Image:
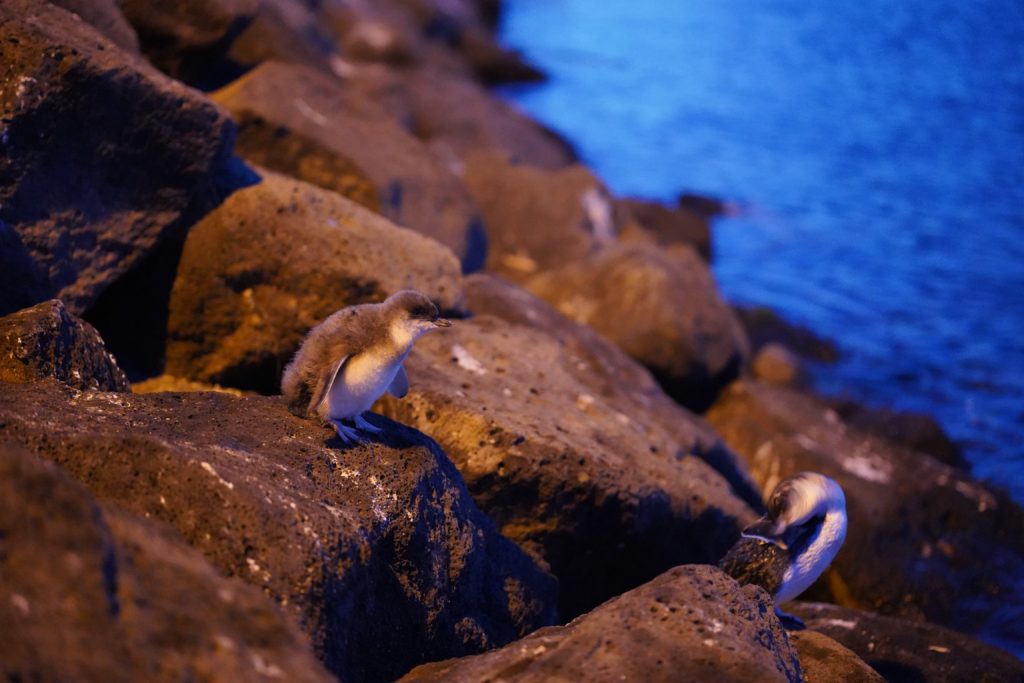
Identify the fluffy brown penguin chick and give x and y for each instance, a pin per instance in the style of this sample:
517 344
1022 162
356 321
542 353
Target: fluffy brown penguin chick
350 359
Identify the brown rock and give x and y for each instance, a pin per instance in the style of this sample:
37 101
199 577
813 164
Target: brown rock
903 651
285 31
492 63
764 326
106 17
93 594
670 225
422 99
185 38
913 430
298 121
692 623
275 259
823 660
661 307
536 219
376 551
917 528
208 43
776 364
611 374
47 341
370 40
102 155
563 460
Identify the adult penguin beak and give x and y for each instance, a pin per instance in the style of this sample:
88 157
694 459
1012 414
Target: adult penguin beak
768 530
442 322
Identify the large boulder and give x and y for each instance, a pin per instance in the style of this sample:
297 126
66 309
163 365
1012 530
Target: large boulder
908 652
48 341
669 225
916 431
611 374
601 479
659 305
101 158
304 123
106 17
208 43
823 660
377 551
183 38
90 593
536 219
764 326
925 541
422 98
275 259
692 623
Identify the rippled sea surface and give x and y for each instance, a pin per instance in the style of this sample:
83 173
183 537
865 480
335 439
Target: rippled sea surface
876 150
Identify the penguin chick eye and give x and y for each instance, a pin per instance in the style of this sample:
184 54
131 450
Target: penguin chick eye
423 312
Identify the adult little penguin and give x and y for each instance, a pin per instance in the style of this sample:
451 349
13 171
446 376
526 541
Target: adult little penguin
350 359
787 549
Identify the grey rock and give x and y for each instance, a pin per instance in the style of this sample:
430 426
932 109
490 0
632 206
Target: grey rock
102 156
274 260
692 623
48 341
376 552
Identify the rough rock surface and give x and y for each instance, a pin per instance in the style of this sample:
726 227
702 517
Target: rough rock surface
913 430
765 326
568 464
422 98
924 526
208 43
905 652
692 623
275 259
377 551
89 593
183 37
776 364
661 307
823 660
670 225
304 123
101 154
47 341
537 219
106 17
611 374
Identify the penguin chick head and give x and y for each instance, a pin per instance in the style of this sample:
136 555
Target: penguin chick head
412 314
797 503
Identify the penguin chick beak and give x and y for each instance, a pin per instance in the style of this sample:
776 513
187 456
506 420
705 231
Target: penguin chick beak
441 322
769 531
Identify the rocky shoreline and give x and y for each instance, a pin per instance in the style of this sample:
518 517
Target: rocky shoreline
185 191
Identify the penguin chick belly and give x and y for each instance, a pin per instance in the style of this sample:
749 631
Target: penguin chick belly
362 380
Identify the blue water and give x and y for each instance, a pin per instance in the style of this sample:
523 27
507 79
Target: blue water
876 150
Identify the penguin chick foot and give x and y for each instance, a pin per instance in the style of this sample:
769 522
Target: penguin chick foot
365 426
348 435
790 622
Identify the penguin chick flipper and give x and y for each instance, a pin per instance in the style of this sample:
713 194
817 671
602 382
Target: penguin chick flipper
362 424
399 386
323 385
